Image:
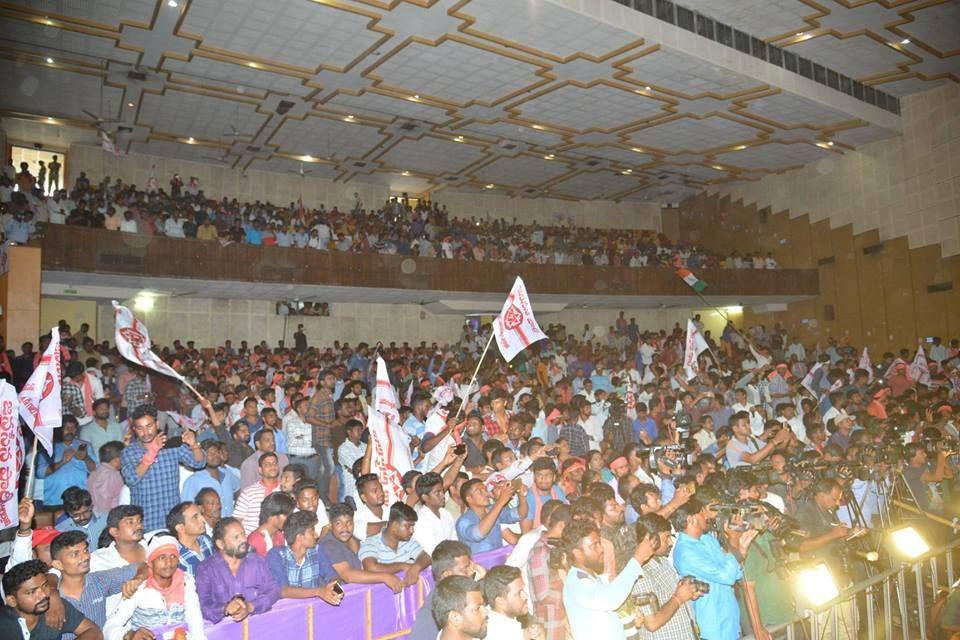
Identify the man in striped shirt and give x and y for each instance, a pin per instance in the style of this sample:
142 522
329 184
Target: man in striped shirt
247 509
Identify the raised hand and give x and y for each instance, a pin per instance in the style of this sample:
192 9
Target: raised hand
25 512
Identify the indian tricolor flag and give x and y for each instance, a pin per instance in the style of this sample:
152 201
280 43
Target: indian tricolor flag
695 283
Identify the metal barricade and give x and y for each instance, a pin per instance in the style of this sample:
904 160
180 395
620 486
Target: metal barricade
884 613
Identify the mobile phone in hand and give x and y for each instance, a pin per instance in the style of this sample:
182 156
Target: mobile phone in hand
337 589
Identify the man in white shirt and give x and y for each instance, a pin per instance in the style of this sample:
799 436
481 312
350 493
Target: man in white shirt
128 224
757 419
796 349
434 522
348 453
505 595
591 424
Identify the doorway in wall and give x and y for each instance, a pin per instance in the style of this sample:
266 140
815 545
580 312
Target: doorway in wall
34 157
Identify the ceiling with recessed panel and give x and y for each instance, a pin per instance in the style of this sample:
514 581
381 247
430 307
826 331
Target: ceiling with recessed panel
525 97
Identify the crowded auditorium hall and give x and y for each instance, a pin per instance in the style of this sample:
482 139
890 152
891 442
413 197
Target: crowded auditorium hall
466 319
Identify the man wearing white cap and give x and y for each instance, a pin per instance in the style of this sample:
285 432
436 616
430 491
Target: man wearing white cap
168 596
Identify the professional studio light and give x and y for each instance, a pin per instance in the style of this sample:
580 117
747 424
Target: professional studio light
908 543
815 584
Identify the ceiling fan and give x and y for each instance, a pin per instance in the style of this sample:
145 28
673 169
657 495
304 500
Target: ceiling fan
99 121
231 131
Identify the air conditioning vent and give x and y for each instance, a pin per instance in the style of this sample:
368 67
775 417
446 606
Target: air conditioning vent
283 106
452 178
939 287
408 126
822 262
592 163
253 149
360 164
509 146
140 76
874 248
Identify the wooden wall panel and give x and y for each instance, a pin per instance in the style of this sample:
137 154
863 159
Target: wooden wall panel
880 299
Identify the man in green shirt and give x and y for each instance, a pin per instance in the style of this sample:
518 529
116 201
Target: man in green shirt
768 595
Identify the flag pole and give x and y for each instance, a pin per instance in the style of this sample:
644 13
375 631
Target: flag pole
463 403
33 468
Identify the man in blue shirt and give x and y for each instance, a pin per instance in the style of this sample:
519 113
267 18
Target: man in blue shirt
79 515
479 526
215 476
70 465
153 472
698 554
591 601
300 567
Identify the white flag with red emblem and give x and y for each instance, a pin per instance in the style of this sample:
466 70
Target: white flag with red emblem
133 342
391 457
515 327
11 454
40 404
919 370
693 347
866 365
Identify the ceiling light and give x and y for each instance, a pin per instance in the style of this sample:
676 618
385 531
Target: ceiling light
905 41
253 65
798 33
49 60
458 139
647 88
49 119
143 302
718 167
627 172
637 149
830 143
549 157
130 104
740 147
307 158
350 118
190 140
405 173
816 584
172 4
489 186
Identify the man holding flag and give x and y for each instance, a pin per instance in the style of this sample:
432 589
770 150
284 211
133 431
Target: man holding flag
40 404
389 453
151 470
694 346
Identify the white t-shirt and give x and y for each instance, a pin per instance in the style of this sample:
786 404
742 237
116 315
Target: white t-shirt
431 529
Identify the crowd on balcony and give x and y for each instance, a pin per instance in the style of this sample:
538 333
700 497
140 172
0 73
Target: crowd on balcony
181 210
608 466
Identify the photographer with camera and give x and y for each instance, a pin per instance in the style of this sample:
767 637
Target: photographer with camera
591 601
661 596
744 448
919 475
699 554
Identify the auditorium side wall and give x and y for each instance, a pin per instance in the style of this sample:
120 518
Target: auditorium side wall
211 321
218 181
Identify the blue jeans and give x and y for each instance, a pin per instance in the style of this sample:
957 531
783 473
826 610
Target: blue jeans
310 463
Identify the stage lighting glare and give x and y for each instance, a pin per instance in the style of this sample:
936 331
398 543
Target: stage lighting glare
909 543
816 585
143 303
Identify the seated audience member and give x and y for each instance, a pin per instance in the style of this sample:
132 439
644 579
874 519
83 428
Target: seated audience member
28 600
70 465
265 442
544 488
479 526
370 516
449 558
274 511
307 495
394 550
215 476
105 482
210 508
459 610
88 592
234 583
187 525
124 530
290 476
168 596
504 593
247 509
80 516
434 522
300 567
342 548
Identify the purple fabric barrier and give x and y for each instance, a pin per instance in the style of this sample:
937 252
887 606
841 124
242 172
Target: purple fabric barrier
366 613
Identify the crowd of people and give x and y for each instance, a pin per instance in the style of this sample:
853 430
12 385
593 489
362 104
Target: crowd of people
426 229
638 502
